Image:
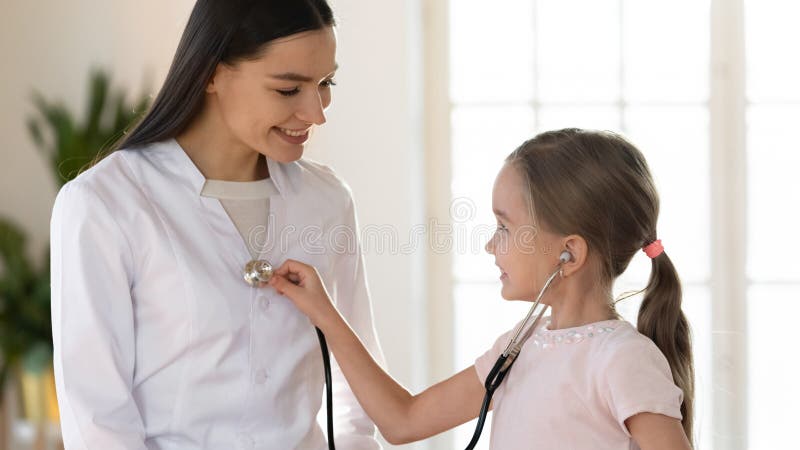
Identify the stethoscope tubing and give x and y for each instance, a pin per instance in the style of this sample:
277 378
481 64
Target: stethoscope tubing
326 362
259 271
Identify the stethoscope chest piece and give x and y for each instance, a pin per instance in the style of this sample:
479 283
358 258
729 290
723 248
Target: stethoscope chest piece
257 271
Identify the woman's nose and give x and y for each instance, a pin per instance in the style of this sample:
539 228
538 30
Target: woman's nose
313 110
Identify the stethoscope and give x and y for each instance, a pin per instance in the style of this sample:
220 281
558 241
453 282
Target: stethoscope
259 271
509 355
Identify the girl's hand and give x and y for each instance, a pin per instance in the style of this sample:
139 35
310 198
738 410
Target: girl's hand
302 284
401 417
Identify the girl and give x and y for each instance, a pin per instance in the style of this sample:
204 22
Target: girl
585 379
159 342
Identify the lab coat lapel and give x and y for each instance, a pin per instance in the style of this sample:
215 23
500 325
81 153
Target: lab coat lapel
207 255
234 249
222 226
273 246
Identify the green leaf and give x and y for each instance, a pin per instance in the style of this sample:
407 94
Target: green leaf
25 324
98 92
15 264
17 282
35 130
37 358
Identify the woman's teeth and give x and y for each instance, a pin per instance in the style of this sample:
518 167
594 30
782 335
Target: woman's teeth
294 133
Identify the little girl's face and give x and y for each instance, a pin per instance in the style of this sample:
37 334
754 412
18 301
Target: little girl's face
525 254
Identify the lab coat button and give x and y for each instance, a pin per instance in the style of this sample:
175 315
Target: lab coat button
263 303
260 376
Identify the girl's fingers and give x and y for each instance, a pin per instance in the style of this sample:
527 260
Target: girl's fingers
283 269
293 277
283 286
293 267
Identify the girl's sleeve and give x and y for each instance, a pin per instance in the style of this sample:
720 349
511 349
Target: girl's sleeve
93 326
485 362
637 379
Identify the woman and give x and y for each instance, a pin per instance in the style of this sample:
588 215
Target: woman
159 343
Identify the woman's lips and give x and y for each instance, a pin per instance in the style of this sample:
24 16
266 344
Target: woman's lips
295 137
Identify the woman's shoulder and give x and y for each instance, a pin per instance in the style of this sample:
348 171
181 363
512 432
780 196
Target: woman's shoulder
101 178
322 173
119 163
320 180
112 179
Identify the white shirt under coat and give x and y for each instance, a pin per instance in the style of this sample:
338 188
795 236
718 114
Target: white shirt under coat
159 342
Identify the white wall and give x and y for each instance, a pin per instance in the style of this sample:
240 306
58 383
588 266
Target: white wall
50 46
373 139
373 136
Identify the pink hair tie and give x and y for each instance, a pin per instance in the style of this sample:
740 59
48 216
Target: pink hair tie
653 249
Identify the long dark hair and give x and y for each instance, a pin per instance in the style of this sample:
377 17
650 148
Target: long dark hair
599 186
219 31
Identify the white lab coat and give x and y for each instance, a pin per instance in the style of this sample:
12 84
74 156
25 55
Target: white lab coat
160 344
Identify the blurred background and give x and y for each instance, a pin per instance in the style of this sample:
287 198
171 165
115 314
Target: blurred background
431 96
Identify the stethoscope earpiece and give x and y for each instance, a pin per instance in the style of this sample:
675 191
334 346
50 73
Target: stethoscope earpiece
257 271
565 257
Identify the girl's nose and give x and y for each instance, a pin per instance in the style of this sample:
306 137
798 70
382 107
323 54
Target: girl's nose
489 246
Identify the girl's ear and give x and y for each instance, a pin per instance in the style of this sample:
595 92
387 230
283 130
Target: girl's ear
579 250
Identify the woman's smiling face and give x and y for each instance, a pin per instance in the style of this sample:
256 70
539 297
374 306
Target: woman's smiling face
271 103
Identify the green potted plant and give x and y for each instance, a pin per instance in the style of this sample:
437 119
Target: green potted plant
26 341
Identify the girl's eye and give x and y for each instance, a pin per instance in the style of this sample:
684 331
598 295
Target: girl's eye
501 227
328 83
288 93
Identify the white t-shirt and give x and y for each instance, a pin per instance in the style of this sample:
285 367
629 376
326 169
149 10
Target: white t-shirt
247 204
573 388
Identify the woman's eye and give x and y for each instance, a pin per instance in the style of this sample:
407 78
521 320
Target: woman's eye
501 227
328 83
289 92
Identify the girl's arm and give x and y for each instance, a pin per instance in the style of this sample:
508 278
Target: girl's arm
400 416
657 432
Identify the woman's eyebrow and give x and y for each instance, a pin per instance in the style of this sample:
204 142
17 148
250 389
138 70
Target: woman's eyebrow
292 76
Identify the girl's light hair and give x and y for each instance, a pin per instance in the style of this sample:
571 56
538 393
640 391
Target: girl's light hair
597 185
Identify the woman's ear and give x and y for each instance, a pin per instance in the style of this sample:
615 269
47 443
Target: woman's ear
579 249
211 86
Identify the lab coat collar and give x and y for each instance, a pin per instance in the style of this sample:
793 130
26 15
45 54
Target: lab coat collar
177 156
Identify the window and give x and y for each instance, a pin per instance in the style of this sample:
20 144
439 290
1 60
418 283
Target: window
772 268
643 68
